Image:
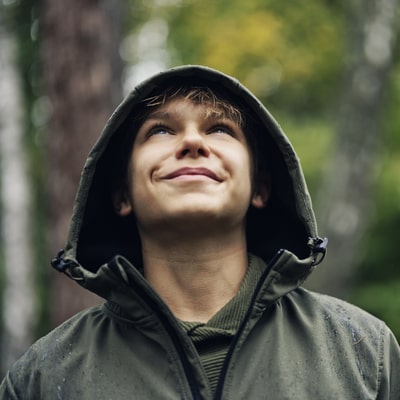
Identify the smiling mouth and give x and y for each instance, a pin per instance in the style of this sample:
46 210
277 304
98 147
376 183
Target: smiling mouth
187 172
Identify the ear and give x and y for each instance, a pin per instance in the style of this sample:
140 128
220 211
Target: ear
261 194
122 204
260 197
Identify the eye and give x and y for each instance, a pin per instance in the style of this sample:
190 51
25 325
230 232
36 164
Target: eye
158 129
222 129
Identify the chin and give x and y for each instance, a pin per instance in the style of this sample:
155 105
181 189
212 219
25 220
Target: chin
209 216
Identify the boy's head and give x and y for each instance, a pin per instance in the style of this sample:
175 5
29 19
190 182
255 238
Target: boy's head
186 154
217 103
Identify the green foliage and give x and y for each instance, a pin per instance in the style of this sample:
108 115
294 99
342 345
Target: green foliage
378 278
379 261
383 301
290 56
312 138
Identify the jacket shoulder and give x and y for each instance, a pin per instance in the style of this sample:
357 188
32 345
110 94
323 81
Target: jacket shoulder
337 307
337 313
56 353
362 335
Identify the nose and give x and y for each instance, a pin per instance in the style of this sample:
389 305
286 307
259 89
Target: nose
193 144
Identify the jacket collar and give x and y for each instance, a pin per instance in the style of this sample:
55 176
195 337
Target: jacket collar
132 297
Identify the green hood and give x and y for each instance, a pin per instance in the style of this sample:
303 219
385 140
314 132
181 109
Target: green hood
97 234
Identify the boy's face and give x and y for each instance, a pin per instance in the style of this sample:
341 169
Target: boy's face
189 165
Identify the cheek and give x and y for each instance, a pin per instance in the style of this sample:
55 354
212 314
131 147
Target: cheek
140 177
138 165
242 169
134 179
247 164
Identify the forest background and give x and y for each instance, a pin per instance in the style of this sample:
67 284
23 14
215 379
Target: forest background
328 70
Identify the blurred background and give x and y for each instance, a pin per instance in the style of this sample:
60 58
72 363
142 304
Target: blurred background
328 70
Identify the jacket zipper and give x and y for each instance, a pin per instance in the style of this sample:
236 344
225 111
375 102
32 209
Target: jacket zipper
235 339
187 366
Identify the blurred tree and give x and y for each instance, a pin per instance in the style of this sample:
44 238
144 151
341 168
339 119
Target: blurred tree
345 193
18 311
82 70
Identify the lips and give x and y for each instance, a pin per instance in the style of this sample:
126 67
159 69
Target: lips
193 171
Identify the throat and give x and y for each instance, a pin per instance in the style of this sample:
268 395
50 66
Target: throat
195 289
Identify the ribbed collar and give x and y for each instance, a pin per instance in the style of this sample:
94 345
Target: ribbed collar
227 320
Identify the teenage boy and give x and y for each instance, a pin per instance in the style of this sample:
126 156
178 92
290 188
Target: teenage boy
194 222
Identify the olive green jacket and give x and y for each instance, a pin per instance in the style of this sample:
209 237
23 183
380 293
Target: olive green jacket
292 343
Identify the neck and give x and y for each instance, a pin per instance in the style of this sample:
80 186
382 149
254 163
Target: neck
195 278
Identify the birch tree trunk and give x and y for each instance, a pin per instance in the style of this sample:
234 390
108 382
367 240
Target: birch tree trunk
345 195
19 306
82 70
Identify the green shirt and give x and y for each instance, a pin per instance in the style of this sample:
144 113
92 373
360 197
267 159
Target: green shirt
212 339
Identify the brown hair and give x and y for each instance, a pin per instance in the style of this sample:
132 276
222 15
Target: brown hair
216 105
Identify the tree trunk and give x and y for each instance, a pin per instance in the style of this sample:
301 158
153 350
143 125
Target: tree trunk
345 195
82 71
19 307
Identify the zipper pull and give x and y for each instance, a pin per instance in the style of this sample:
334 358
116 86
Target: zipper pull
318 248
60 264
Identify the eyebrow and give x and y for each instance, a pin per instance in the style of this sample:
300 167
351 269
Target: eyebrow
159 115
209 114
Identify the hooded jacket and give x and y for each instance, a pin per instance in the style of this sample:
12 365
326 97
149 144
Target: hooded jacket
291 344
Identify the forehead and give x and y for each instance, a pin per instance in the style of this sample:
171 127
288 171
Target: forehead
177 106
215 102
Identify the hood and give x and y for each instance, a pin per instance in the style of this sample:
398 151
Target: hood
97 234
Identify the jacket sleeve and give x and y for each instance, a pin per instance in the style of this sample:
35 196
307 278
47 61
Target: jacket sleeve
6 390
389 379
22 381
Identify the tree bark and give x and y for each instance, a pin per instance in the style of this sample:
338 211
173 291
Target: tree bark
344 199
82 71
19 306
